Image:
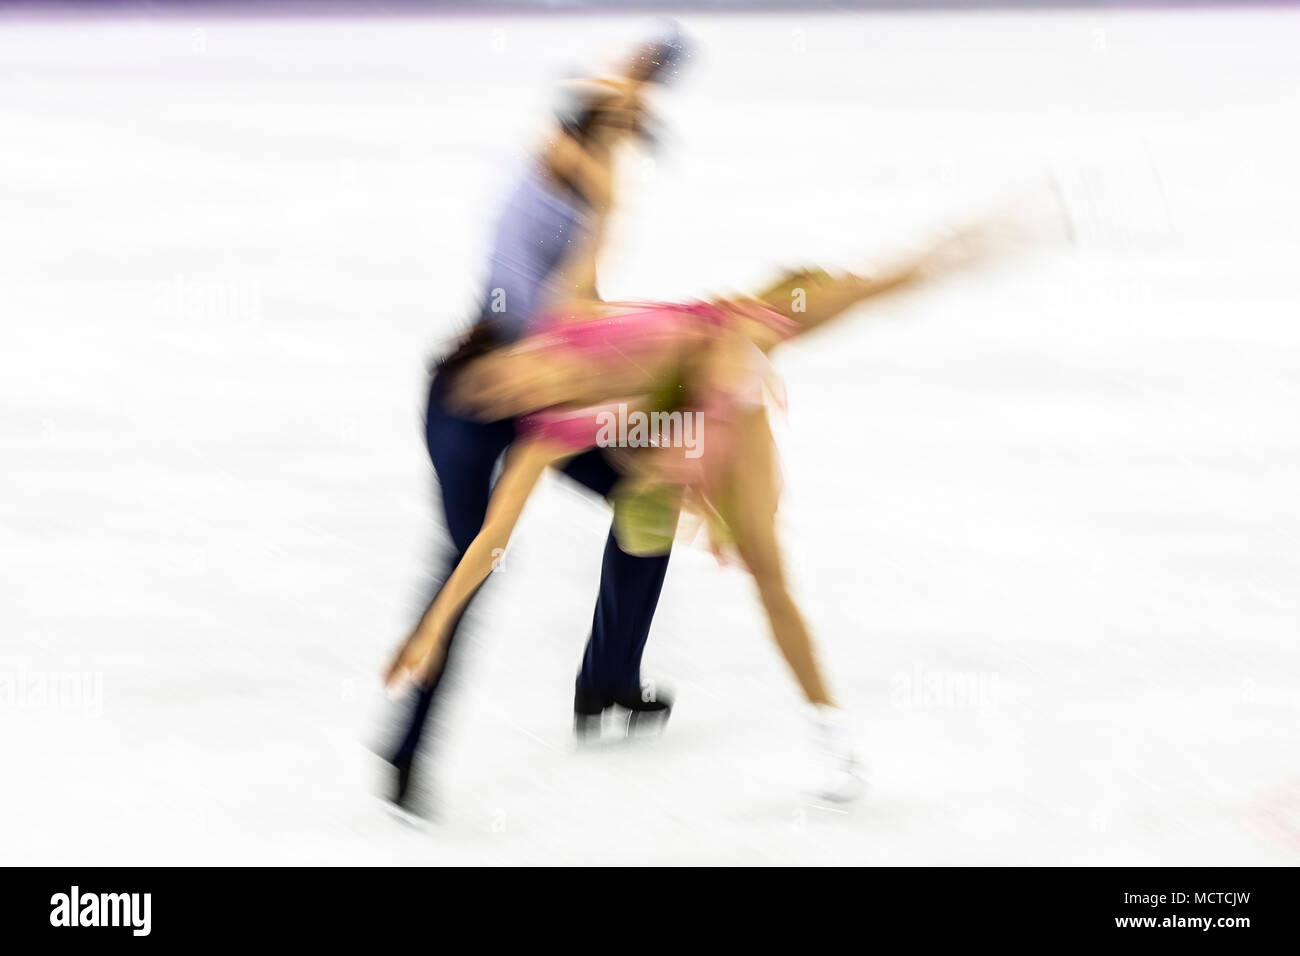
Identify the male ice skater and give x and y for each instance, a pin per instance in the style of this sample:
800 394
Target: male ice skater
547 240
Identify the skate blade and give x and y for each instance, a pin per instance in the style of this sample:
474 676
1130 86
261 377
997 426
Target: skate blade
407 817
618 725
642 724
842 790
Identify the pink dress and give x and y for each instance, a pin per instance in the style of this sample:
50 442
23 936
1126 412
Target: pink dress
647 329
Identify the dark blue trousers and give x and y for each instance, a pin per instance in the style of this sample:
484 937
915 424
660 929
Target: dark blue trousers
464 455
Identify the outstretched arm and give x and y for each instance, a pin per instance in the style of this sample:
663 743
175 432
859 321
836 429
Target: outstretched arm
420 655
812 297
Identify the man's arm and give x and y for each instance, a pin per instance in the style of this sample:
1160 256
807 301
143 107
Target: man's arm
590 174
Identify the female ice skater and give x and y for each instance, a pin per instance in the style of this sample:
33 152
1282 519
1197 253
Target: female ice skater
546 244
587 359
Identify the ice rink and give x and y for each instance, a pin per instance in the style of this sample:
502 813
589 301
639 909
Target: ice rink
1043 517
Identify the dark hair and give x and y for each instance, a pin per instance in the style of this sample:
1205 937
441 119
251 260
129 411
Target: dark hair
660 59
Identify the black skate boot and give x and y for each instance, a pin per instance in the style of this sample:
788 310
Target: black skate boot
647 712
406 794
399 793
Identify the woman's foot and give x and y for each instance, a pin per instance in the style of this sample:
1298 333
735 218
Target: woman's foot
839 775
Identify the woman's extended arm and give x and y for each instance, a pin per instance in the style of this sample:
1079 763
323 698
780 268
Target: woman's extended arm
422 651
812 297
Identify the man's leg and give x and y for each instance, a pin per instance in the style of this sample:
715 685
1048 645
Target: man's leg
625 607
464 454
629 593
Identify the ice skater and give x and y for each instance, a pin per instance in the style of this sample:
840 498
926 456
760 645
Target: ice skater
587 363
546 244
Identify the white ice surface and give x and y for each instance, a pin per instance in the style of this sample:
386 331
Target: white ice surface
227 246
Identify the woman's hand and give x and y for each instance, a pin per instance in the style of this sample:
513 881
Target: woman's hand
416 660
422 655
